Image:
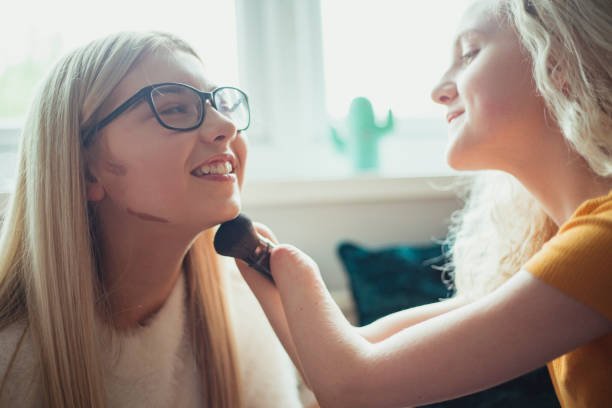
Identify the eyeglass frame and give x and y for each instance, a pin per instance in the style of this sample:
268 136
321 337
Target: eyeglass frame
146 93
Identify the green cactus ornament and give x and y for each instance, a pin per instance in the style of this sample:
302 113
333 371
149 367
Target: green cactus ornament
363 134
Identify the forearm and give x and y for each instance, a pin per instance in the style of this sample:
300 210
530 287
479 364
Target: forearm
389 325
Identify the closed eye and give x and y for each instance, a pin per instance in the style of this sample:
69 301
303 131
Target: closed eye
469 56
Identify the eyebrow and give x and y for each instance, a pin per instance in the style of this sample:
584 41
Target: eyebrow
468 33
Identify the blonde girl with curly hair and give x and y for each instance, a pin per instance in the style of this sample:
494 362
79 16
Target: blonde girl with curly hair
529 107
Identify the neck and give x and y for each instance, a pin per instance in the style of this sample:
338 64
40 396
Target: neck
562 182
141 263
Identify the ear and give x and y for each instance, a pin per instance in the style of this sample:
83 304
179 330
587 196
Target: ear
95 190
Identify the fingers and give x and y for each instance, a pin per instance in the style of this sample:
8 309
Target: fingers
265 232
299 284
292 265
304 295
254 278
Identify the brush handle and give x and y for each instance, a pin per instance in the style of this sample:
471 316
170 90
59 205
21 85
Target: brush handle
260 258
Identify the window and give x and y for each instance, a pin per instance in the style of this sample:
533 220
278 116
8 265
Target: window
36 33
300 61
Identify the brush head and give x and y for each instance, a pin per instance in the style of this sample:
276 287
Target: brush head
237 238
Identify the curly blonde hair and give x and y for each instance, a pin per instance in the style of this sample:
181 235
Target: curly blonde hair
502 225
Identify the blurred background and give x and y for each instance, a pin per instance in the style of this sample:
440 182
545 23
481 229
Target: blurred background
322 168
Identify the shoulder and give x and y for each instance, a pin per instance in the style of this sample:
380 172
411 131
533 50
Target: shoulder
269 377
591 221
586 235
17 365
583 239
583 242
578 260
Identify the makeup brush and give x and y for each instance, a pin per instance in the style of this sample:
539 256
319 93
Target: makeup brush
237 238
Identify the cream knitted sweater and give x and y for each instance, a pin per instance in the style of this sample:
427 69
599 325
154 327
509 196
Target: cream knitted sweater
153 366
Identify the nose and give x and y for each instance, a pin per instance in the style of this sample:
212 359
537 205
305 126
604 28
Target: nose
445 92
216 128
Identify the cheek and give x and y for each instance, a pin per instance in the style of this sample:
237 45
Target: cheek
499 101
240 149
482 94
149 175
157 177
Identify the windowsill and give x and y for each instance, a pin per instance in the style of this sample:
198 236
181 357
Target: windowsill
356 189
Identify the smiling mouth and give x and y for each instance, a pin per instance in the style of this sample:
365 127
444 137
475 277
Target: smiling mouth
220 168
450 118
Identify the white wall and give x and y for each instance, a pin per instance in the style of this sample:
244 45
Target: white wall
316 216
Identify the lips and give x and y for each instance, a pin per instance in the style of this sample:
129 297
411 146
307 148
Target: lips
452 115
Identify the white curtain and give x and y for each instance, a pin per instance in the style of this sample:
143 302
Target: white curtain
281 67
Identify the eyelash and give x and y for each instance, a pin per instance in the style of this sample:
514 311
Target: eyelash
469 56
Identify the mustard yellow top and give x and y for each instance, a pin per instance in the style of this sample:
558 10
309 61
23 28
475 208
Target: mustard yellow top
578 261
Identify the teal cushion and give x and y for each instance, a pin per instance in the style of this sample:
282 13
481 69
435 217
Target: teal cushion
394 278
386 280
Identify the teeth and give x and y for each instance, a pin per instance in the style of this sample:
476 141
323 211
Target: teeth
218 168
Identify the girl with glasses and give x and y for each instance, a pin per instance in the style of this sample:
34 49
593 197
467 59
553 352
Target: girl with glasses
529 105
111 294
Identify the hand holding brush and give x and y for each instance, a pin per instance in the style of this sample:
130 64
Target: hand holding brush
237 238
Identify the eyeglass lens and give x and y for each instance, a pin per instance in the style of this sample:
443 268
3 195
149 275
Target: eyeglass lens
181 107
232 104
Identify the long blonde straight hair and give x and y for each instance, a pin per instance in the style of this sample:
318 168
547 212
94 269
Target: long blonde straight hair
502 225
48 273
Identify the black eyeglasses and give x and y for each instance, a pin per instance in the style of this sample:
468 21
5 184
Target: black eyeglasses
182 107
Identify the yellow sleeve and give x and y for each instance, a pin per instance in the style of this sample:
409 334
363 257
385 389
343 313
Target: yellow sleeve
578 261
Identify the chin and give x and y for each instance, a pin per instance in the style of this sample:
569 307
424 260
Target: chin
461 158
201 222
466 165
230 211
232 214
